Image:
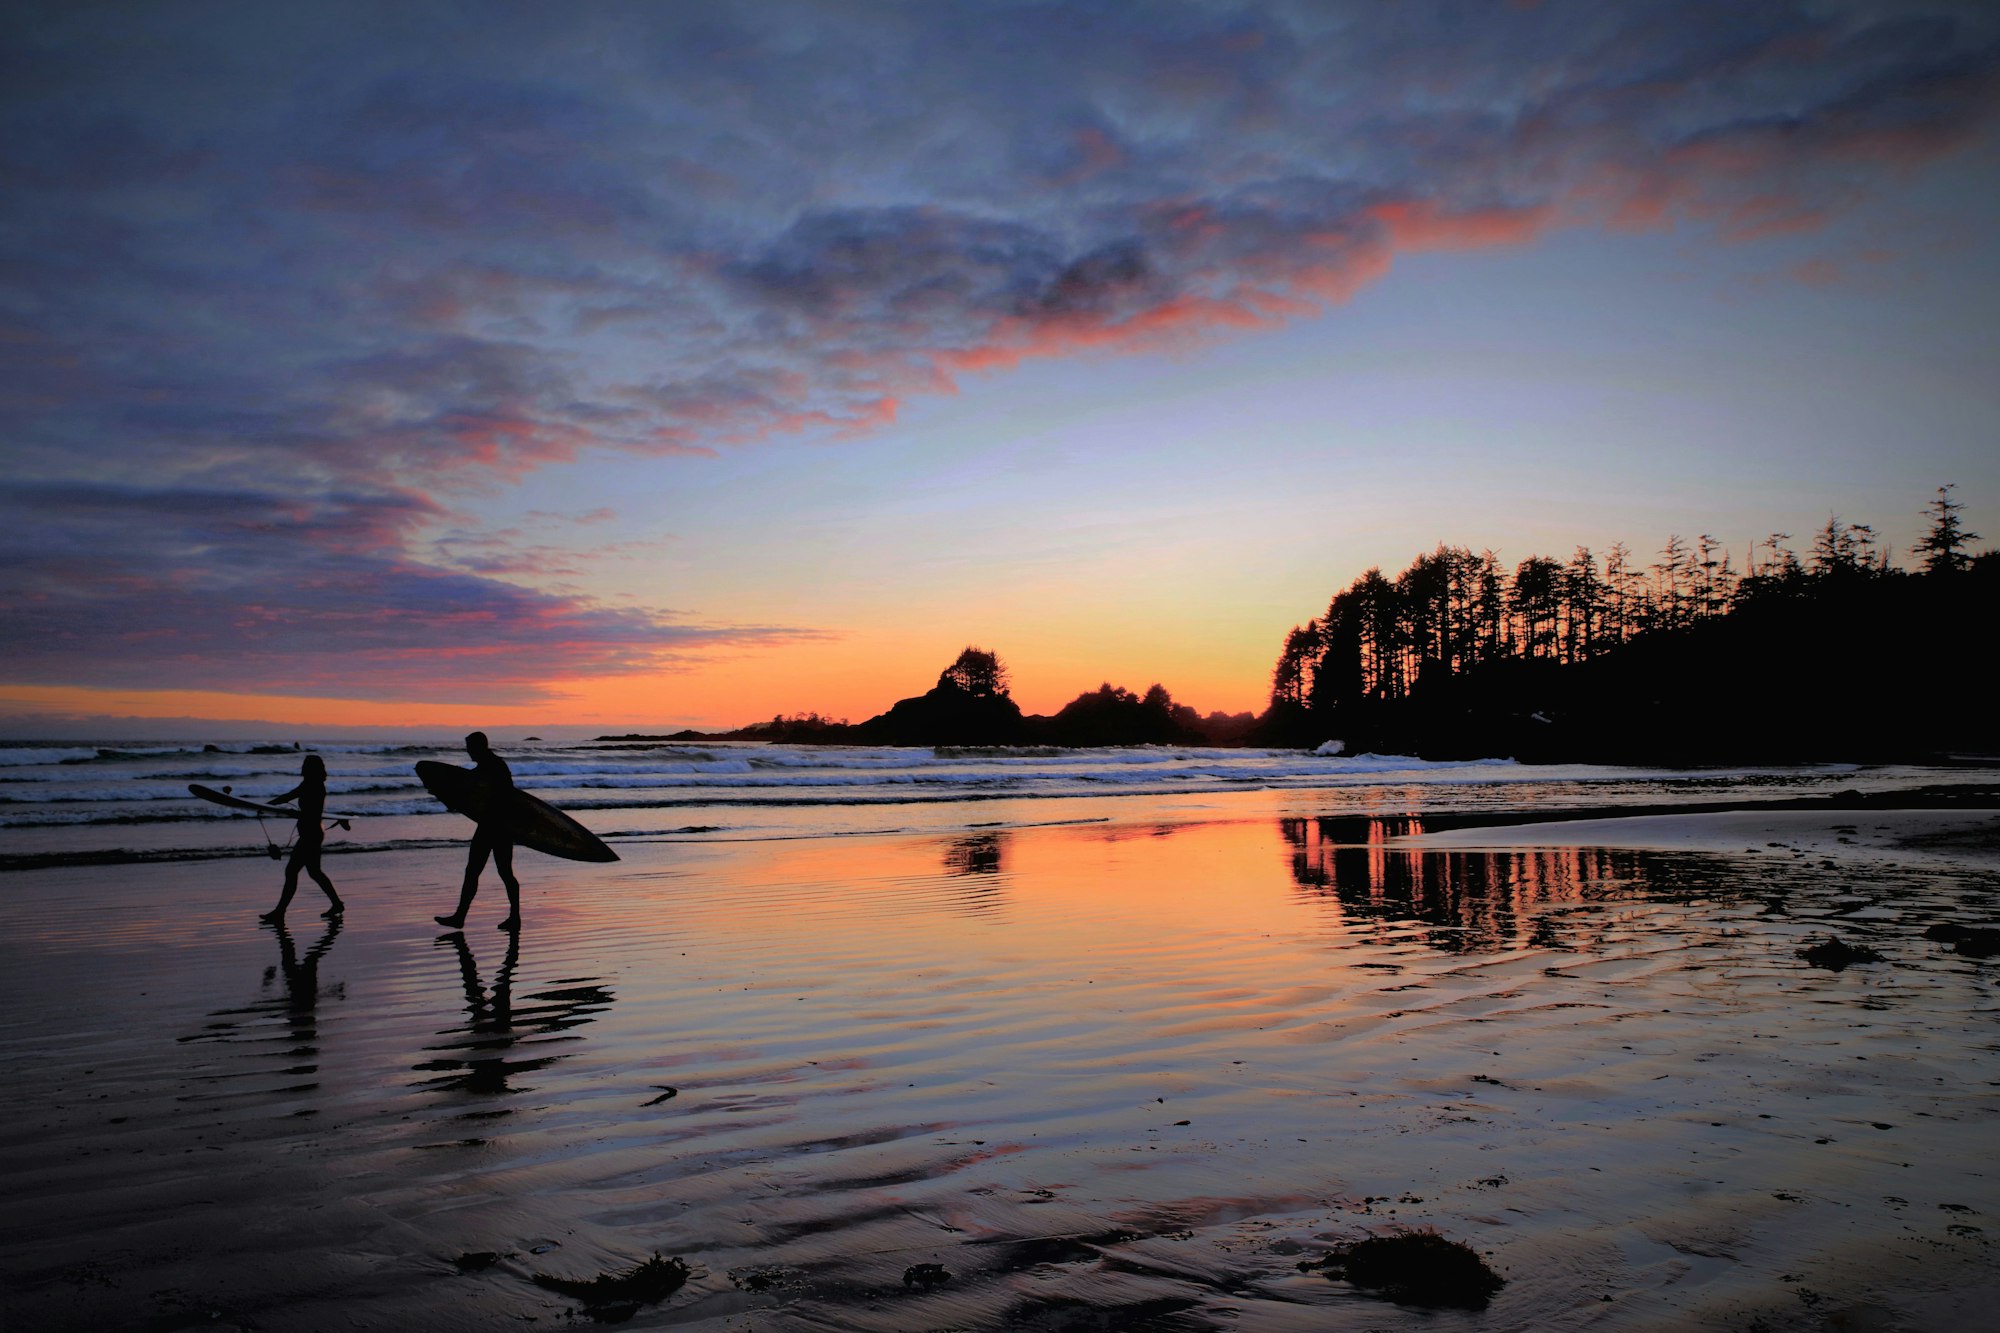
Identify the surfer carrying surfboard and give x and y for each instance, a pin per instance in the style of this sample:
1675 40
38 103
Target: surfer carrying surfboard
493 834
311 796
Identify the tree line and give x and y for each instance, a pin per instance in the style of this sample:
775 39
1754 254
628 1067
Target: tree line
1458 633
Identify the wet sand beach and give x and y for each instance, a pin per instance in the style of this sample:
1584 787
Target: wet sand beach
1115 1075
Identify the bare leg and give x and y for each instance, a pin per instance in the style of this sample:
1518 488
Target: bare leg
475 862
291 887
335 906
503 861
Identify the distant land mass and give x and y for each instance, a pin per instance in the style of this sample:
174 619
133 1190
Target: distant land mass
970 706
1686 661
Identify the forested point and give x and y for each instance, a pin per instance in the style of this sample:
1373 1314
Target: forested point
1840 654
970 706
1837 655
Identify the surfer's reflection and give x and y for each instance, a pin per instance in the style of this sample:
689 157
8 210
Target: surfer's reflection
295 1006
486 1058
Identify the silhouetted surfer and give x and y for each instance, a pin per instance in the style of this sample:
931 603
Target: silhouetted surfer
311 796
492 837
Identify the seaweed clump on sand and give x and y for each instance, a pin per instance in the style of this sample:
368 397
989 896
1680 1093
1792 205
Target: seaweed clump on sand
478 1261
618 1295
1414 1268
924 1277
1972 941
1837 955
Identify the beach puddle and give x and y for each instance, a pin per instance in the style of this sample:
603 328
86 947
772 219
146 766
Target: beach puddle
1102 1076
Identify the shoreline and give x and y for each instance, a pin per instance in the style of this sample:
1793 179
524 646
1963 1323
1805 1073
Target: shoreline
1915 835
1827 829
409 833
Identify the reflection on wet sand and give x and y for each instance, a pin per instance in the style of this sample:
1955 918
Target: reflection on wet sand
295 1006
977 855
1473 900
495 1024
977 867
1170 1066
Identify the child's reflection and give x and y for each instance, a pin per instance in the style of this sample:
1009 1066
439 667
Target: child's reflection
296 1006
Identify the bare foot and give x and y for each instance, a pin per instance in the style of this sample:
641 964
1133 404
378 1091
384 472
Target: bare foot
511 923
455 922
271 916
334 910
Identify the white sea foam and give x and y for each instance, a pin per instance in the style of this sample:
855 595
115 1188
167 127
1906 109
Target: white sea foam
24 755
148 785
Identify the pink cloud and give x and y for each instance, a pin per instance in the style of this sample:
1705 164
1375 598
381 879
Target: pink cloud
1419 224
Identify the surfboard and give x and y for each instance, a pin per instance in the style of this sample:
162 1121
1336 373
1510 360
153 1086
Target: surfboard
532 822
259 808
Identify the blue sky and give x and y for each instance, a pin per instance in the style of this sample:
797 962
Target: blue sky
639 364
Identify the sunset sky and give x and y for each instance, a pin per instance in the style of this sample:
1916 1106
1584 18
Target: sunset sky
637 366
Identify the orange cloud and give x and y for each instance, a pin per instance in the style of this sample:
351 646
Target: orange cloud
1420 224
1018 338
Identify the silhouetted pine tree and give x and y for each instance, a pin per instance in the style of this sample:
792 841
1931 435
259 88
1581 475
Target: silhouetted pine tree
1940 547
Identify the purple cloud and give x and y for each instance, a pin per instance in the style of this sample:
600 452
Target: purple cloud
386 259
309 596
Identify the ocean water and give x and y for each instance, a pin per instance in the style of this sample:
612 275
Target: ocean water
105 802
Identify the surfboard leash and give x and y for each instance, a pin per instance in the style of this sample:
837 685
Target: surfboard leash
277 853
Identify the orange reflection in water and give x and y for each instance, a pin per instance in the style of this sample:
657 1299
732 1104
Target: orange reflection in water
1186 896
